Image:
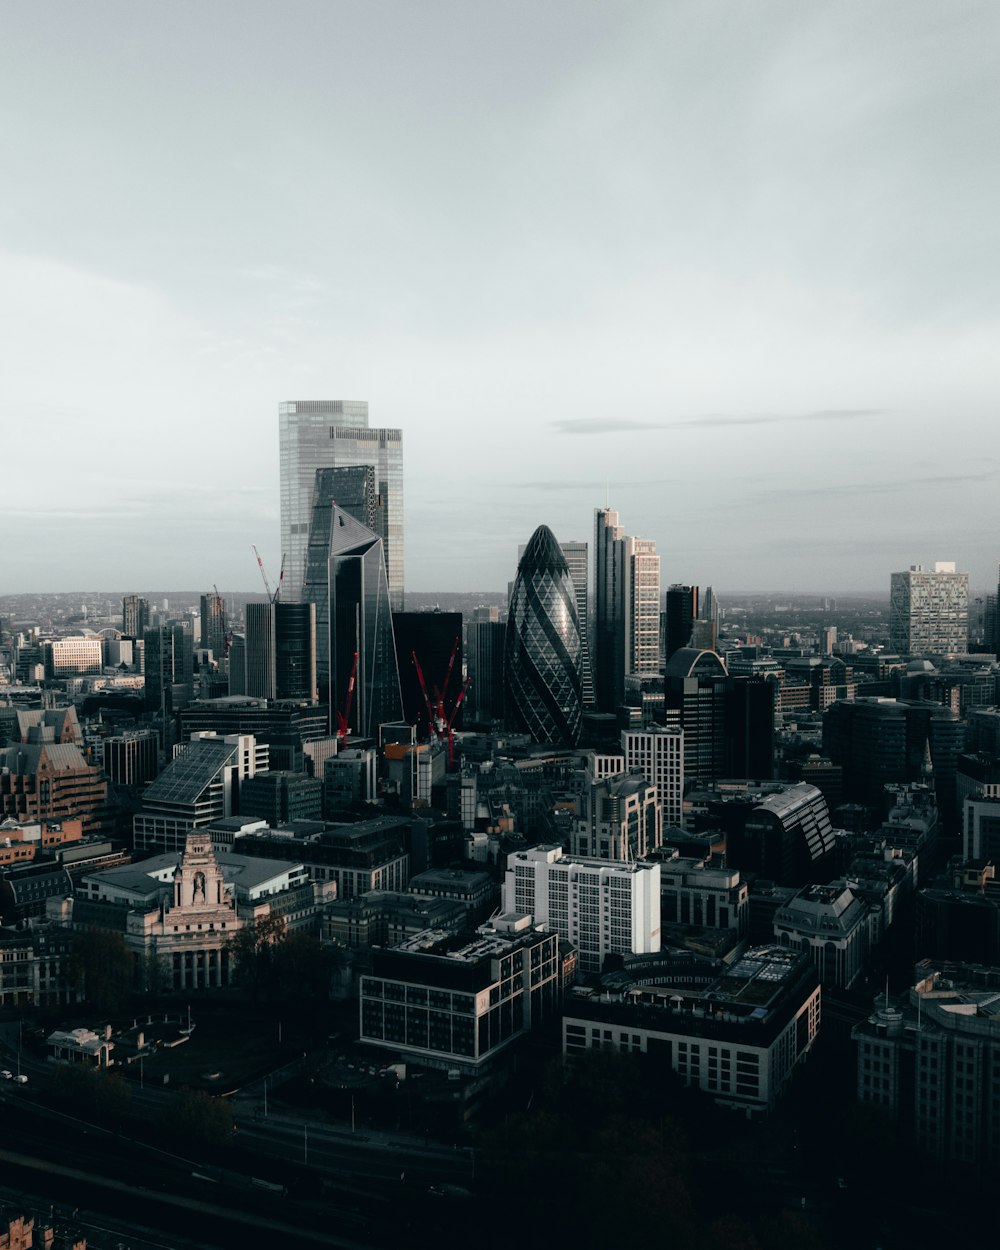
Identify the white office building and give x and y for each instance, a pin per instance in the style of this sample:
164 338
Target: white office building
603 908
658 753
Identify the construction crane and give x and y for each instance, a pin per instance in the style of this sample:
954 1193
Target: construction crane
344 718
439 720
272 595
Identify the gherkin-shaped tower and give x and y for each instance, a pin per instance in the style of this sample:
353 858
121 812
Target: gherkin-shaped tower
543 687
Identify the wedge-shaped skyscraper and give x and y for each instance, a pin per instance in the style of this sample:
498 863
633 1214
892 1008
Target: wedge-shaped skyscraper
346 579
543 688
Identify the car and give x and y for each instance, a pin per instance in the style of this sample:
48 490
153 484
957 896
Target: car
6 1075
21 1080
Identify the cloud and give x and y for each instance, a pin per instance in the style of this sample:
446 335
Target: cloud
573 484
884 486
708 421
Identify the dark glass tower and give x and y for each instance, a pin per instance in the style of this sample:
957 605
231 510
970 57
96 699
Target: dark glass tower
348 583
543 688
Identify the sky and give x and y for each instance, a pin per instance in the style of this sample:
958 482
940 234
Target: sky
730 267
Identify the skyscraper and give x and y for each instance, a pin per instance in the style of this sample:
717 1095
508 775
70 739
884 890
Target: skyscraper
135 616
542 652
680 611
346 574
642 607
577 560
929 611
320 434
280 653
608 641
213 624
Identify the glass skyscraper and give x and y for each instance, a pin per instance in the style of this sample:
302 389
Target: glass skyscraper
543 654
347 581
320 434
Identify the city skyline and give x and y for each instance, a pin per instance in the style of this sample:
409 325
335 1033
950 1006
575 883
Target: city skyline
726 268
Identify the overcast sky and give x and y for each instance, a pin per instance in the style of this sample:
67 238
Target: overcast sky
731 265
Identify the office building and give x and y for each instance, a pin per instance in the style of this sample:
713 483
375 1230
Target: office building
542 657
642 607
702 894
47 781
455 1002
135 616
280 652
484 664
577 561
213 625
658 755
198 786
618 818
679 613
608 640
603 908
931 1058
929 611
169 665
131 759
695 685
355 642
833 926
323 434
735 1032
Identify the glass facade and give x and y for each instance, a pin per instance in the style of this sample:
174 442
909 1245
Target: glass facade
543 654
347 581
321 434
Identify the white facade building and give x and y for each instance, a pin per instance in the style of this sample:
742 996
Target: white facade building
603 908
658 753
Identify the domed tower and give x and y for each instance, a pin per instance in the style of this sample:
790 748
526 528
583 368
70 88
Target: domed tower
543 685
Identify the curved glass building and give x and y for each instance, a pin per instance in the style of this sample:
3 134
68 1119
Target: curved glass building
543 655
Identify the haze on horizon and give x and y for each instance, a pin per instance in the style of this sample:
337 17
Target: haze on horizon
731 267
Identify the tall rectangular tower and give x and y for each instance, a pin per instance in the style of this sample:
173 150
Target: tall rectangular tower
642 610
608 637
929 610
321 434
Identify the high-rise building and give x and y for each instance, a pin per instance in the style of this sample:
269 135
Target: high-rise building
694 691
280 648
213 625
135 616
642 607
602 907
169 663
484 664
608 640
542 654
577 560
658 754
929 610
348 583
680 612
321 434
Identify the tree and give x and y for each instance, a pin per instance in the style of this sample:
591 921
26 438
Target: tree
106 968
253 950
193 1118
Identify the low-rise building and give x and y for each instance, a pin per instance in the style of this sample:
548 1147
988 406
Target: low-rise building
737 1032
456 1001
833 926
476 891
932 1059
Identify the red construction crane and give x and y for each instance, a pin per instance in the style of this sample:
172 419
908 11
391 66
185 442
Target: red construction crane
344 718
439 719
272 595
